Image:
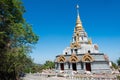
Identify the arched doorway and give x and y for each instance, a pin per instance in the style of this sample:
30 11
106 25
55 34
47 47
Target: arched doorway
88 59
62 66
74 67
88 66
73 60
61 60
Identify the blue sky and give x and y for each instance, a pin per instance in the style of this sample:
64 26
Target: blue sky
54 22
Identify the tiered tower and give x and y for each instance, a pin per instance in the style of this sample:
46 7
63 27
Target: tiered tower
82 55
80 42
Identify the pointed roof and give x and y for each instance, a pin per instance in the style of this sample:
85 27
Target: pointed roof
78 21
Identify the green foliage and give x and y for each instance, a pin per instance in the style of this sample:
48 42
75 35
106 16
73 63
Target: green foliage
48 65
114 65
16 40
118 77
118 62
34 68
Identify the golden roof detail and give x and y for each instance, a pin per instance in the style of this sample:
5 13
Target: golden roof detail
78 21
87 58
89 41
74 58
61 59
75 45
79 27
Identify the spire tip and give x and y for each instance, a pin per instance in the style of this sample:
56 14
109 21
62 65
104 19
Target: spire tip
77 6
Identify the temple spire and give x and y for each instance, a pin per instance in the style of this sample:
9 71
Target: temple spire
77 9
78 16
78 21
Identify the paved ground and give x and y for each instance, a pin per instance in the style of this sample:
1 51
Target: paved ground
38 76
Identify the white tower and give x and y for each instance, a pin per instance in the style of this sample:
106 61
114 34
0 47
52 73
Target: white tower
80 44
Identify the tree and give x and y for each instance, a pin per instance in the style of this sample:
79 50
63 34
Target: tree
114 65
16 39
49 65
118 61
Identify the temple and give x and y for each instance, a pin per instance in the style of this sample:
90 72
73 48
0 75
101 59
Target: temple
82 55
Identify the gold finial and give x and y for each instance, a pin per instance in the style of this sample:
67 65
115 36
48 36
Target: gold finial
78 21
78 17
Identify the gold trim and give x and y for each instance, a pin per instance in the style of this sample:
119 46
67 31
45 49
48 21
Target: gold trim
89 42
77 33
73 58
87 58
61 59
79 28
75 45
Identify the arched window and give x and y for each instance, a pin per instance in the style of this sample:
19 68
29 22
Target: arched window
66 53
75 38
71 50
76 51
89 51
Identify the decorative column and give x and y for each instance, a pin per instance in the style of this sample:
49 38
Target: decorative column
70 66
59 66
65 66
78 66
84 66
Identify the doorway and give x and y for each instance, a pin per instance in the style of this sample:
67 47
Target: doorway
88 67
74 66
62 66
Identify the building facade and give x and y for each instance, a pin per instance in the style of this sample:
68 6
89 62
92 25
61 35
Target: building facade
82 55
